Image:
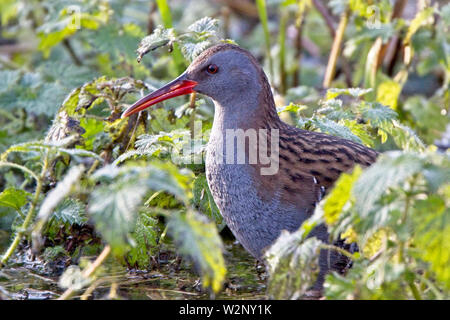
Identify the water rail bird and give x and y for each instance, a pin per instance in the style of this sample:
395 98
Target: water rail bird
258 204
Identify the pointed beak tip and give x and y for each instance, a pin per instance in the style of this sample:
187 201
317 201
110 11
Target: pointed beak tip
175 88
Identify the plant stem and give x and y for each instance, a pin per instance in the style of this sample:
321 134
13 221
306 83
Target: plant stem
432 287
89 271
401 245
282 44
326 15
30 214
90 289
414 290
18 166
372 64
335 49
335 248
150 23
262 12
298 42
92 168
73 55
397 12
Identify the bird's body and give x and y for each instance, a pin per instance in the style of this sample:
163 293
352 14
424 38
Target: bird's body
258 206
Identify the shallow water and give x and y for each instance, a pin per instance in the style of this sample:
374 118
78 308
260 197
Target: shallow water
29 278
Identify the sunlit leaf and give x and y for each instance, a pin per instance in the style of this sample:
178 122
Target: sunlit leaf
432 221
388 93
335 201
14 198
198 239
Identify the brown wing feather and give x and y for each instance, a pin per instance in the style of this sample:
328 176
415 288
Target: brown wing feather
309 165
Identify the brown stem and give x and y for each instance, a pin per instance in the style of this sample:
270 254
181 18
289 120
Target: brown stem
397 12
336 49
298 45
282 54
89 271
225 11
329 20
151 23
71 52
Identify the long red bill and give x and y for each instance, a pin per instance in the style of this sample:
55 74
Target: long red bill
173 89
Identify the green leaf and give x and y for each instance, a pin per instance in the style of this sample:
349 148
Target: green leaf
422 17
327 126
192 50
427 118
334 202
377 113
68 23
388 93
114 209
204 201
295 108
145 236
159 38
333 93
432 222
391 169
198 239
56 146
53 199
294 265
205 25
403 136
70 211
8 9
114 204
13 198
93 132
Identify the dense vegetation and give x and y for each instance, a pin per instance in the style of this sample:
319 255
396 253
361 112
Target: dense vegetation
77 180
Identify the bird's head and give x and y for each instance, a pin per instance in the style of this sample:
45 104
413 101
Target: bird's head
225 72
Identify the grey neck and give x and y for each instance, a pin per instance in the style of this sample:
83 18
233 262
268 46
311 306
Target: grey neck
235 116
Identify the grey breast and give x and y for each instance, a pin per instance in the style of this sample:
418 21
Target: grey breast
254 222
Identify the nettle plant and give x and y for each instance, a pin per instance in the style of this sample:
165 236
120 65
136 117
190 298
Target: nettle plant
116 174
397 211
95 169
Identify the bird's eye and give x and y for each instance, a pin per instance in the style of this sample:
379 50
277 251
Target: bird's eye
212 68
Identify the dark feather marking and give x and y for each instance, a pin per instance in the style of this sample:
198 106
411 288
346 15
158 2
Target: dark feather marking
306 160
315 173
347 153
335 170
282 156
322 152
